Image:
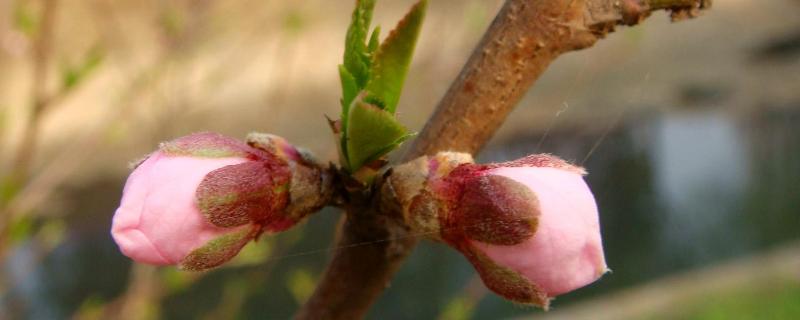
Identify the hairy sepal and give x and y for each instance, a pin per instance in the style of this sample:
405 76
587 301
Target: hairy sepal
497 210
275 146
542 160
504 281
250 192
218 251
206 145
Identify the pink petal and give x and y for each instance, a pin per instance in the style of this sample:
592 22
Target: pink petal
565 253
158 221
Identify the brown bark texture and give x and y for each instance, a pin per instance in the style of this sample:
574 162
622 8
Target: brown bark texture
522 41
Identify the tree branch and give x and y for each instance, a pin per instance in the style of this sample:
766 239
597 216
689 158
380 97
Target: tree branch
372 243
525 37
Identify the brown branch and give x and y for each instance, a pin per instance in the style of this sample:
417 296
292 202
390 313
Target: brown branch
371 245
525 37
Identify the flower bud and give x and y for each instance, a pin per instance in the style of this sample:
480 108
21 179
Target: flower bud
199 199
530 226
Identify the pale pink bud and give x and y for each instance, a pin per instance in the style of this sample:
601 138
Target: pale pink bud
565 251
199 199
530 227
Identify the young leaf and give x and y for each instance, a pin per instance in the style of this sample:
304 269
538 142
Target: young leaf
372 133
390 63
374 40
356 59
389 147
349 88
349 91
354 72
372 76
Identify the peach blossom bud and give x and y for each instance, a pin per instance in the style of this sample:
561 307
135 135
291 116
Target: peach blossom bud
199 199
530 226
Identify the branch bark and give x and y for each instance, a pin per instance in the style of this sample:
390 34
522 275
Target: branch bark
522 41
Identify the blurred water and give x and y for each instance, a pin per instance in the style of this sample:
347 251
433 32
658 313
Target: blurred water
680 189
700 174
676 190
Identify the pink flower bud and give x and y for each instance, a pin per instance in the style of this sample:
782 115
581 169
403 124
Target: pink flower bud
199 199
530 227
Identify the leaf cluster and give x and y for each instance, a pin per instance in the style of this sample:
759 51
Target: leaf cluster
372 76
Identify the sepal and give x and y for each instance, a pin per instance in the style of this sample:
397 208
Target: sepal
416 186
497 210
542 160
244 193
206 145
218 251
274 145
505 282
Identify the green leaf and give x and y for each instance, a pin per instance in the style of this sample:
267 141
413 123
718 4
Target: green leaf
372 133
390 63
390 147
374 40
356 58
372 76
354 72
349 89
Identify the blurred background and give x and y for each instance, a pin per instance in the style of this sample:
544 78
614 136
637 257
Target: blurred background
690 132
